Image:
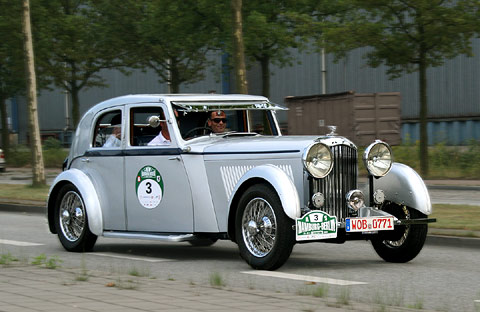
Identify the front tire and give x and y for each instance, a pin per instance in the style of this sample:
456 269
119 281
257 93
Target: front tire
71 221
264 232
406 241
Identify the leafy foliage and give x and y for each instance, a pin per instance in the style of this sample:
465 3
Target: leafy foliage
170 37
406 36
401 33
73 46
270 33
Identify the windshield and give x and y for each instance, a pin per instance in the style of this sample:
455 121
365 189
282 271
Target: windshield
222 122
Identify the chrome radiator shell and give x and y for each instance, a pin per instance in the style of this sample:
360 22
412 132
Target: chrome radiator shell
339 182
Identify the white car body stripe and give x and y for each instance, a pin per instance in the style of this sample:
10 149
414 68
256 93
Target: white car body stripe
128 258
17 243
305 278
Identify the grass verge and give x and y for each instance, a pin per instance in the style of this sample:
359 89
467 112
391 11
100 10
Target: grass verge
24 192
456 220
456 217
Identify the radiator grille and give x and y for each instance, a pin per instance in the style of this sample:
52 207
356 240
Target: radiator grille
339 182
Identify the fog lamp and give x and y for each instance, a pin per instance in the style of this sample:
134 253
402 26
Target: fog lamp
355 200
379 197
318 200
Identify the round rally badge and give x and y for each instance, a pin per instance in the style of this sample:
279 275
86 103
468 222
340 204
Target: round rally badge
149 187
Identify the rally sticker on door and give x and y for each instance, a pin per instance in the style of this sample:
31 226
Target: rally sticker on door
149 187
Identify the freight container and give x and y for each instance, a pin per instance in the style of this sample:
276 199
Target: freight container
361 117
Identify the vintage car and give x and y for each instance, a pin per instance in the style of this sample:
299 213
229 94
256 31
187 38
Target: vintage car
158 167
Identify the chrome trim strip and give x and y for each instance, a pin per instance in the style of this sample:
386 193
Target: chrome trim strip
151 236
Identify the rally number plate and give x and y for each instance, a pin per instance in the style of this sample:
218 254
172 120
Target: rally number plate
368 224
316 225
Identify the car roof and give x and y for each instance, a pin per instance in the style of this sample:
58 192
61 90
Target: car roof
195 102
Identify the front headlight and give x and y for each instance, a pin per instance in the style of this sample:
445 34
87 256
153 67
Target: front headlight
378 158
317 159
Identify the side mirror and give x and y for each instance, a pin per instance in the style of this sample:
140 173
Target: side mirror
154 121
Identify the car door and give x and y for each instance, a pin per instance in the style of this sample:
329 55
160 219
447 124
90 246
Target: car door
158 195
104 163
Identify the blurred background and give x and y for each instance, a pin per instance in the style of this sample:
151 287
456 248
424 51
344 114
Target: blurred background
406 72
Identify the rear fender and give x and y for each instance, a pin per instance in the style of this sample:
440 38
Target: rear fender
89 195
403 185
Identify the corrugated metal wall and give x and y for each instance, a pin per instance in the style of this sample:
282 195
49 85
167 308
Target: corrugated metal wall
453 90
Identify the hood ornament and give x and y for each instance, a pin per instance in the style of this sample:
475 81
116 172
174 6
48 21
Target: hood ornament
332 130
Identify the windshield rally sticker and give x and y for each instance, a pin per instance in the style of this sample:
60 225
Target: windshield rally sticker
316 225
149 187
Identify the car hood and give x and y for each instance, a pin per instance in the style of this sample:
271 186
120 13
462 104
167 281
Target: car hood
258 144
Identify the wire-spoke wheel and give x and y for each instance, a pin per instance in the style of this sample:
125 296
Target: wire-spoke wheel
406 241
71 220
259 227
72 216
264 233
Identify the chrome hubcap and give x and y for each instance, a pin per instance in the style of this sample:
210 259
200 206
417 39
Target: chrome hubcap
402 239
72 216
259 227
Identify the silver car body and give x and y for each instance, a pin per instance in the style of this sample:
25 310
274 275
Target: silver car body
200 180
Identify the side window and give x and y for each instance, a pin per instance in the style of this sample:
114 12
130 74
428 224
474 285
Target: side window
261 122
148 127
108 130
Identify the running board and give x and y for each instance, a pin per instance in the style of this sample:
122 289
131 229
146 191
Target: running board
152 236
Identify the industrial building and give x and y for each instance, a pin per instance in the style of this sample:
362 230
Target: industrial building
453 93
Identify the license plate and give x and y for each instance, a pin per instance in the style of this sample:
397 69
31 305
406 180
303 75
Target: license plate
368 224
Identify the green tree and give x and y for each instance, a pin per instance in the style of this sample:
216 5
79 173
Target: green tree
11 62
271 29
73 46
170 37
407 36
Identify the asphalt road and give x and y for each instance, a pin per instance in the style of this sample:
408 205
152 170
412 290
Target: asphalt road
441 278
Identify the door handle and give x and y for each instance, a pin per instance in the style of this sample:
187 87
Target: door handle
174 158
85 159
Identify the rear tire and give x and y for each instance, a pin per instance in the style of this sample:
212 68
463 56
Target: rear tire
71 220
264 232
406 242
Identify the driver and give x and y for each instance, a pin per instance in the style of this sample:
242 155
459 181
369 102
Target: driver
217 121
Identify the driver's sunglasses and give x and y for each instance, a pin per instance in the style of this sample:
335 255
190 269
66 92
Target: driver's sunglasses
217 120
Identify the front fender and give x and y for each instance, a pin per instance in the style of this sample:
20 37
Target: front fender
89 195
279 180
403 185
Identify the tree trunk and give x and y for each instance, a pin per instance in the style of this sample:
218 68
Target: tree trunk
265 64
238 49
38 169
174 78
423 116
5 133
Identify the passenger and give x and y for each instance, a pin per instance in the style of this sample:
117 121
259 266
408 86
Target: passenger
114 140
217 121
163 137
